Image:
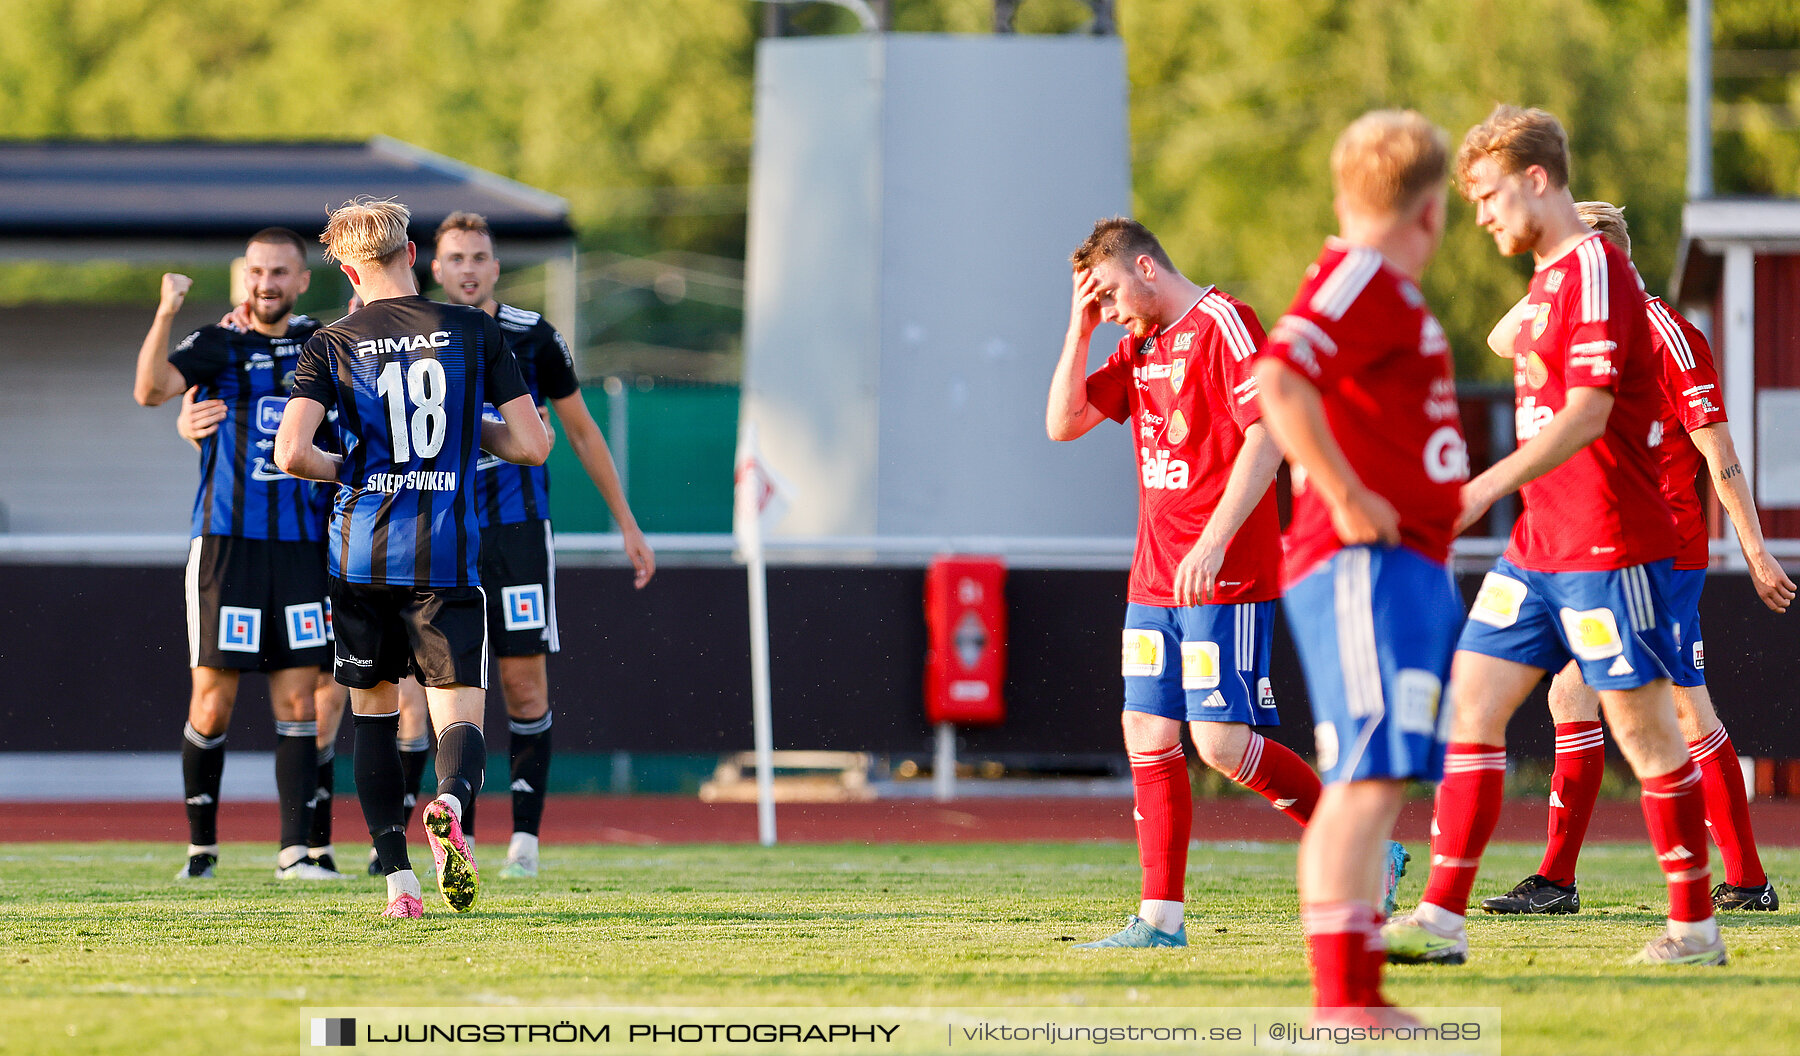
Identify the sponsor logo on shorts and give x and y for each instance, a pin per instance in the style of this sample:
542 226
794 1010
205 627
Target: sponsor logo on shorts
306 625
353 661
1593 634
1265 694
240 630
330 634
268 413
1498 603
1418 693
1143 655
1325 743
524 606
1700 653
1199 665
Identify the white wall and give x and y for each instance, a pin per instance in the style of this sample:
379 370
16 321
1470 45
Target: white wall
914 200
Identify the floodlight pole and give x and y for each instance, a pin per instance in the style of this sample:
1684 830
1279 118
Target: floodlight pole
1699 100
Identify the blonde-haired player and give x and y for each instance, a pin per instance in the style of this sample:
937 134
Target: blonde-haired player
1695 436
408 377
1357 388
1587 574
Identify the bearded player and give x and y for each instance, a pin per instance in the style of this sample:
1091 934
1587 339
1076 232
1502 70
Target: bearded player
1198 625
1586 576
1695 436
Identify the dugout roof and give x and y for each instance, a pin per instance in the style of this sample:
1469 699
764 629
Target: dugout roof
1709 226
156 200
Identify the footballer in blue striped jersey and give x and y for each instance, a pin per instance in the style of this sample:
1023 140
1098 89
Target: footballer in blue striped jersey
518 563
408 377
256 573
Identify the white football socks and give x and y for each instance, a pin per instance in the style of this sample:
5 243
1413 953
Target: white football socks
1161 914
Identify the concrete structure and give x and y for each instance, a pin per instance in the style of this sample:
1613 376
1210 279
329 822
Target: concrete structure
913 202
1738 278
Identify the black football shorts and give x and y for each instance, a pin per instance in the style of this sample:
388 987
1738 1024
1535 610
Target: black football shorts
385 633
518 571
256 604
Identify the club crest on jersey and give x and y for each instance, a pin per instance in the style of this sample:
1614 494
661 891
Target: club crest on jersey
1178 427
1178 369
1541 321
305 625
524 607
240 630
268 413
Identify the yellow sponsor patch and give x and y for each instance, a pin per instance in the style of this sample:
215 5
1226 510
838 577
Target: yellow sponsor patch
1419 692
1178 428
1199 665
1593 634
1498 603
1143 653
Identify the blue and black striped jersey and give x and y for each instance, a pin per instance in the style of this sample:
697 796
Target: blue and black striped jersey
408 377
513 494
241 492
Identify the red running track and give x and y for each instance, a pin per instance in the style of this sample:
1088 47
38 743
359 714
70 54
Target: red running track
671 819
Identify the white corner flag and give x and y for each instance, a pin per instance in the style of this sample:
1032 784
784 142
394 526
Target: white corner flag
761 495
761 498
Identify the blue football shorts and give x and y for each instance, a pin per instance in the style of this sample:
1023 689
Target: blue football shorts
1201 663
1376 628
1619 625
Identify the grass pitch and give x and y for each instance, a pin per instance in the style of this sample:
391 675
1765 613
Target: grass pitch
103 953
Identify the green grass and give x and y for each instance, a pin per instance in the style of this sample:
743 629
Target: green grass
100 952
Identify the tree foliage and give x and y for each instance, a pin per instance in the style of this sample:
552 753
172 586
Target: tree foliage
639 111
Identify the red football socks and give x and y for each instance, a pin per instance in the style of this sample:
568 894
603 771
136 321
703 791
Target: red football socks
1165 818
1468 808
1676 817
1274 772
1728 808
1343 942
1580 764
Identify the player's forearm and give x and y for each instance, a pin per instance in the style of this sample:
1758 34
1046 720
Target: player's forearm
309 462
514 443
1251 474
1067 414
1731 482
1295 417
1500 339
156 379
596 458
1581 422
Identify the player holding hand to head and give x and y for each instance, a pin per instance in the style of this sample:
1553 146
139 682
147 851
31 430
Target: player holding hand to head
1694 434
1358 389
1203 582
1586 576
408 377
518 560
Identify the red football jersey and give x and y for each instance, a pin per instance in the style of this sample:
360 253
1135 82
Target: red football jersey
1190 395
1603 509
1360 331
1691 399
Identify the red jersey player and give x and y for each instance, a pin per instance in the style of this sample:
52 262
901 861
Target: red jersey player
1198 624
1586 576
1694 434
1358 389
